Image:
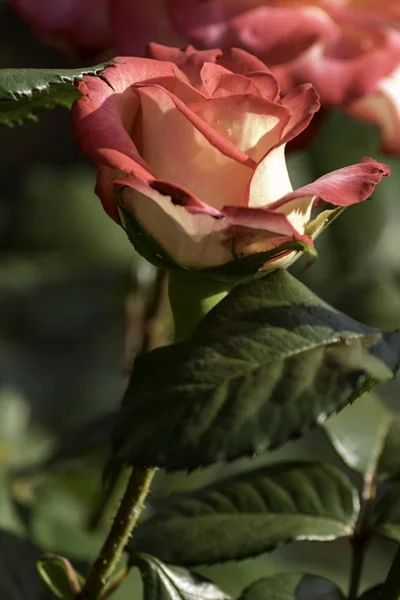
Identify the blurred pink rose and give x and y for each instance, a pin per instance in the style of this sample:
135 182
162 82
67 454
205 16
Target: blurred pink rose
89 28
348 49
81 26
192 145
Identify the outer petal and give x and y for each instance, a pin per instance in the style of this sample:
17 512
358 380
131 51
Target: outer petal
382 107
342 187
270 180
272 221
103 119
260 230
302 103
196 240
135 24
105 189
189 153
82 27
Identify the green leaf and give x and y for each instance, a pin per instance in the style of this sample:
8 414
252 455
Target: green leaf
163 582
60 576
249 514
267 363
386 513
19 579
372 449
292 586
23 92
359 434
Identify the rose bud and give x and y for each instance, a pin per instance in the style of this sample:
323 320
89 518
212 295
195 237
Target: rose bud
190 148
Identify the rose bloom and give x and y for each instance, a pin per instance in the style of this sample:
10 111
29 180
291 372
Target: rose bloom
190 148
92 29
348 49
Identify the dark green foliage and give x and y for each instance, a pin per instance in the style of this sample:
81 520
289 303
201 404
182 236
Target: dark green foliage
270 361
249 514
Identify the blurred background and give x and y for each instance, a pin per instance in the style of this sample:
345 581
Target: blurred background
71 292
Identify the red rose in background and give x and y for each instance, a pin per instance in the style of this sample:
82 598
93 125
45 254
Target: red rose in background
81 26
90 28
349 50
192 146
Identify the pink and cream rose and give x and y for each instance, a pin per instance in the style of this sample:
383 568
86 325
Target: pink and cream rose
190 146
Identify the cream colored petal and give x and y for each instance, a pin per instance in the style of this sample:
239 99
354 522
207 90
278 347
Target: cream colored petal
192 240
180 154
271 180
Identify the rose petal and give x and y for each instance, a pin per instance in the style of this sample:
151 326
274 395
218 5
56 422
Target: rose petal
342 187
270 180
218 82
266 83
259 218
192 240
105 189
302 103
104 117
189 60
251 123
183 155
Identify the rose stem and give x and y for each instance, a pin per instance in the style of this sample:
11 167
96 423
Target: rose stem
139 481
361 536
